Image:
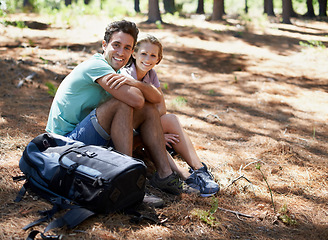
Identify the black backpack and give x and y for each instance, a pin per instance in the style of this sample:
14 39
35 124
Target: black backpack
86 179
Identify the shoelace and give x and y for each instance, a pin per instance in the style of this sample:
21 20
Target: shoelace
203 173
200 182
176 181
207 174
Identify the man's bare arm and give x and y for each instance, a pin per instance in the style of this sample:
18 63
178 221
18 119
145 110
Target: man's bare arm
125 93
161 106
151 93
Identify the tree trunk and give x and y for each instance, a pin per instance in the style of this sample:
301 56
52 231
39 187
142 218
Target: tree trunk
200 7
153 12
292 12
322 8
268 8
246 7
26 3
310 10
218 10
286 11
137 6
169 6
68 2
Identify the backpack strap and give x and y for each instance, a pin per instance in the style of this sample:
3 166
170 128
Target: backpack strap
137 217
47 216
33 234
21 193
71 219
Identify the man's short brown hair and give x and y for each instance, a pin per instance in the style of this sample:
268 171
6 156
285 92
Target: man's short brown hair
122 26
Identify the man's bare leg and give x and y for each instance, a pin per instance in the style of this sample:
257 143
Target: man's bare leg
116 118
147 120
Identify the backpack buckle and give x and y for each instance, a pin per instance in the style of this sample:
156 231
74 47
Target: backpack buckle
72 168
89 154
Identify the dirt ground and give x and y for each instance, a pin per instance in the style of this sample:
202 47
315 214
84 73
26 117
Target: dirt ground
246 94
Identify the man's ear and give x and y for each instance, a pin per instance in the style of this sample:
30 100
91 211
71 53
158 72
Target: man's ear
104 44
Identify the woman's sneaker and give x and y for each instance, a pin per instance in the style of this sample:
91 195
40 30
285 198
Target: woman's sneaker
202 180
171 184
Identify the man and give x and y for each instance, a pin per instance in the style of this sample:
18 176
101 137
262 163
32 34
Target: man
93 105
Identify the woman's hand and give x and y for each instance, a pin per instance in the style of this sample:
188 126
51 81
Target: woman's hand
115 81
171 139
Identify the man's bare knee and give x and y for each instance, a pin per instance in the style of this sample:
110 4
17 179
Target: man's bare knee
108 110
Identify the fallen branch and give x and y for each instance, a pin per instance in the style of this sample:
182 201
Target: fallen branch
213 115
235 180
256 161
27 79
236 212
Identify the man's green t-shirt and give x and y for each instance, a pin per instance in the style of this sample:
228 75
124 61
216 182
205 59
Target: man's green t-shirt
78 95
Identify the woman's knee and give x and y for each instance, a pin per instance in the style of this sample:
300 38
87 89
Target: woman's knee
170 118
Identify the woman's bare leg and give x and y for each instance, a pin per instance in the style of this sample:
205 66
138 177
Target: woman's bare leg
184 147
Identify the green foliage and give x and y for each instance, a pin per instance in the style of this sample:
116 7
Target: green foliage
19 24
51 89
208 216
258 167
285 216
123 7
178 102
312 44
211 92
45 61
159 25
181 101
166 86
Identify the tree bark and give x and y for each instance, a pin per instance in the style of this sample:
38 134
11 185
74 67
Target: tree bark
68 2
137 6
292 12
268 8
246 6
154 14
169 6
27 3
322 8
218 10
200 7
286 11
310 10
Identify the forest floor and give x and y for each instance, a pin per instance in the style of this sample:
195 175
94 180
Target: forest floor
247 94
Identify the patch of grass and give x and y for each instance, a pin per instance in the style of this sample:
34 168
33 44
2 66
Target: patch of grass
159 25
207 216
165 86
312 44
51 89
285 216
211 92
180 101
45 61
19 24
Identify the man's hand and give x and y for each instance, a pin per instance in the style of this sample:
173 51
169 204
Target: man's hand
115 81
125 93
